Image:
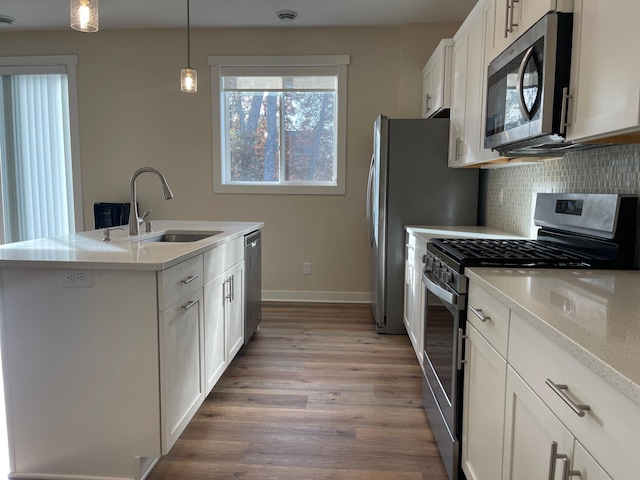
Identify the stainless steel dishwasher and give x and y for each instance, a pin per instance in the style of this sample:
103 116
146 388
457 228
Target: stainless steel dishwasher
252 284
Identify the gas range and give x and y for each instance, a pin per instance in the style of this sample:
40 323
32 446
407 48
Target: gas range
576 231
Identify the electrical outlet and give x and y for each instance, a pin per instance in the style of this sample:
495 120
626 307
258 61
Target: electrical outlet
306 268
75 278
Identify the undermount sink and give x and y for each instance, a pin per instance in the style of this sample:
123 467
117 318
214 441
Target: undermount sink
175 236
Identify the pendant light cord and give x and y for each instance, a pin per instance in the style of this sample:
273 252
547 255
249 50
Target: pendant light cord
188 38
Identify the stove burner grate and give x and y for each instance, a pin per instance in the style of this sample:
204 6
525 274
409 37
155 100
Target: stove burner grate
475 251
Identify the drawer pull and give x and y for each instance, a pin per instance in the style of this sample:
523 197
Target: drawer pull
190 279
558 389
190 304
478 313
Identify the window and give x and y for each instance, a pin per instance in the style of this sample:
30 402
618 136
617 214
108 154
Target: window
279 124
40 188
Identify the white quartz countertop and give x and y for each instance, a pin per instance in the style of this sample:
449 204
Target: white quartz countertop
593 314
427 232
87 250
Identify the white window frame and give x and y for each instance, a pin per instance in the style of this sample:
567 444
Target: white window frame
341 62
55 64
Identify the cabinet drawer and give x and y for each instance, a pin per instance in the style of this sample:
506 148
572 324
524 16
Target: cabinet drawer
180 280
610 429
495 327
222 258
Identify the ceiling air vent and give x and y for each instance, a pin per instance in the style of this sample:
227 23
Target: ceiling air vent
6 20
287 15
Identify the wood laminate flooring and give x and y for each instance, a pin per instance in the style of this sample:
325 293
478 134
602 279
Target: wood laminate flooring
317 394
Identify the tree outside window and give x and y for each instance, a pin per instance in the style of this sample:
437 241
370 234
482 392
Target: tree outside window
281 128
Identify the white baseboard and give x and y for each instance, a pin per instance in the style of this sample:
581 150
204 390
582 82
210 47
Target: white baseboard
316 297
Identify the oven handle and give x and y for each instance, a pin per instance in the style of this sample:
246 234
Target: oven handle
438 291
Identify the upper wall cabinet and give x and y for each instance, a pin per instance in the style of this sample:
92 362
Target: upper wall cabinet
514 17
605 71
466 135
436 80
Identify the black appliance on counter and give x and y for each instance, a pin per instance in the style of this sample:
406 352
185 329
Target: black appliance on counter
577 231
107 214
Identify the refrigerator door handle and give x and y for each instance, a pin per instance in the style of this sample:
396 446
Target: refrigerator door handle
368 206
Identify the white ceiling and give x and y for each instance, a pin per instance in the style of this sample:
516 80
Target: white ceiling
119 14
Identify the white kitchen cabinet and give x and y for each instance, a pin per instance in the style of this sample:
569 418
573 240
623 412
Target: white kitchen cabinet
609 429
592 423
484 385
604 70
530 431
181 366
215 358
234 319
414 292
586 465
483 414
436 80
466 136
224 313
514 17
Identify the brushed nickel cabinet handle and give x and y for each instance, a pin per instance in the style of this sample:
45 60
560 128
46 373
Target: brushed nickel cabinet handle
559 390
190 304
506 20
512 7
190 279
478 313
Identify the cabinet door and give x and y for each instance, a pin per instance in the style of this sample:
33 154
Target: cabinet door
514 17
587 466
427 96
604 69
408 286
181 373
483 411
475 74
529 431
457 113
234 312
215 359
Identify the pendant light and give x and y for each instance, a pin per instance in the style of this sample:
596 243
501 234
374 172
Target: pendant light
188 76
84 15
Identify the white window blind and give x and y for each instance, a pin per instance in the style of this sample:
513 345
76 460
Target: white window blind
36 153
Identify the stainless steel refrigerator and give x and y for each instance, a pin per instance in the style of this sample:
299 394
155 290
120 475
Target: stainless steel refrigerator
410 184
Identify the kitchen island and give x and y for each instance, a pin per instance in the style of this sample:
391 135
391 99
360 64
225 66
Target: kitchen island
552 365
110 347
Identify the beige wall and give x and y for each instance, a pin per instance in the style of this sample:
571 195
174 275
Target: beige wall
132 114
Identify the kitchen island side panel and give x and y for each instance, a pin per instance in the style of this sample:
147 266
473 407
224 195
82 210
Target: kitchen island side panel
80 372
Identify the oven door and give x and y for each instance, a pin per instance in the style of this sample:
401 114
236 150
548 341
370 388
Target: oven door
442 392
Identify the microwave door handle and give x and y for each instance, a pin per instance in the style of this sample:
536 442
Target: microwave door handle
520 84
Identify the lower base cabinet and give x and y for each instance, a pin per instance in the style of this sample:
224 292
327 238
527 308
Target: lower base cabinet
525 398
182 379
483 415
531 429
120 381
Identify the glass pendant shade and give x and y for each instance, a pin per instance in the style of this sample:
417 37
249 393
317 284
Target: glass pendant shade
188 80
188 76
84 15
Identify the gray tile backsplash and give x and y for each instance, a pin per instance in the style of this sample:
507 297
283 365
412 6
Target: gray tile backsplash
511 191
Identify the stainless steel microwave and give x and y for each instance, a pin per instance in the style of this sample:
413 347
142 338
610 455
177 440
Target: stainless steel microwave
527 87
